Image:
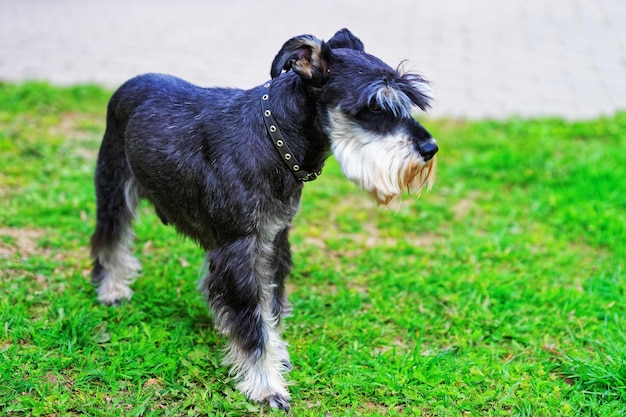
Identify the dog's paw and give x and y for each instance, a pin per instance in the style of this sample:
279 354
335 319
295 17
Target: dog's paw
114 295
278 401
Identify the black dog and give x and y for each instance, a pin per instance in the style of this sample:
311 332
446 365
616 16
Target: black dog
226 167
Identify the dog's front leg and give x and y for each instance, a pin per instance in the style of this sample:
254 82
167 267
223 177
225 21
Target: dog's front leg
240 290
282 266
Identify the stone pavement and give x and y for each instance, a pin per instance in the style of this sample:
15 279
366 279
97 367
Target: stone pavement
486 58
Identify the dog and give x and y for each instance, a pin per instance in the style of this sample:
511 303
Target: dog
226 167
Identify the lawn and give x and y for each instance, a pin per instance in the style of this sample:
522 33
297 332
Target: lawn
499 292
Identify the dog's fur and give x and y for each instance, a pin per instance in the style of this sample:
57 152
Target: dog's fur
204 159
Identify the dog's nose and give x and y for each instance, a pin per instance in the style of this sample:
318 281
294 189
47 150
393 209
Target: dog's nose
427 149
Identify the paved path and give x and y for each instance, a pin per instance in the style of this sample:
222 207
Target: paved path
494 58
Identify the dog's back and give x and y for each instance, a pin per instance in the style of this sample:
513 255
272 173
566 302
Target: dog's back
153 101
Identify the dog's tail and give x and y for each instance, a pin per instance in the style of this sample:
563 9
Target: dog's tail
117 197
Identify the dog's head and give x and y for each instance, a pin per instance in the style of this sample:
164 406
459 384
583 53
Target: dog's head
369 108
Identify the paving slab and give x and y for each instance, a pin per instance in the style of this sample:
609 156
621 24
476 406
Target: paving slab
485 58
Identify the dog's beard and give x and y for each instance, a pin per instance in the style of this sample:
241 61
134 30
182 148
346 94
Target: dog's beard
384 166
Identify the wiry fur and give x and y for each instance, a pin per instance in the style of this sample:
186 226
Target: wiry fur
384 167
203 158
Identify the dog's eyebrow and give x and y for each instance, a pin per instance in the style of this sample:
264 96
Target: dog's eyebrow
398 94
417 88
388 98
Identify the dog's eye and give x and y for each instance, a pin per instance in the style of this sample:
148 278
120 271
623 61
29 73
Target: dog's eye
374 107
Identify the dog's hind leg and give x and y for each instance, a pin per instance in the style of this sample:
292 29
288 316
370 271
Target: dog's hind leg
117 197
239 287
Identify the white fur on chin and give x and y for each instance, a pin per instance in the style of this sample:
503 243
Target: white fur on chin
384 166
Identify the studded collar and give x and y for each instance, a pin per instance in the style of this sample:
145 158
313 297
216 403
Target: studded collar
279 141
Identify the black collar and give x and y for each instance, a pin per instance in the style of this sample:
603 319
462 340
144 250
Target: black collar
279 141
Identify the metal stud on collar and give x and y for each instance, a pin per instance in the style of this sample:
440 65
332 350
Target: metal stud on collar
281 145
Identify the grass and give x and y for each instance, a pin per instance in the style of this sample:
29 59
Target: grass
500 292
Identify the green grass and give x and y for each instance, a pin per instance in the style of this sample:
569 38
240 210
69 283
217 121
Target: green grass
500 292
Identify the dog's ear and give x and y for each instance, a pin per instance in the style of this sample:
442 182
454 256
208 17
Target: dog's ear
346 39
305 55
